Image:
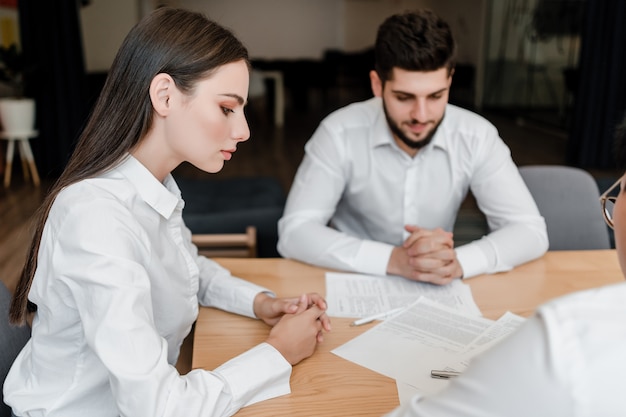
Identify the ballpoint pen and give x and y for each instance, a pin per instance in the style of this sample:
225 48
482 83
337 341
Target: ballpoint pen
379 316
440 374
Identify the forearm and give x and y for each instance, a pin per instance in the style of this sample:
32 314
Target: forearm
219 289
503 249
323 246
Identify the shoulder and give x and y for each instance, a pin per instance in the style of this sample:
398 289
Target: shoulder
354 116
596 304
585 332
470 135
467 122
97 205
94 192
345 129
97 216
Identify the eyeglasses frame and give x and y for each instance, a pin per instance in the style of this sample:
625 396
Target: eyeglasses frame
608 218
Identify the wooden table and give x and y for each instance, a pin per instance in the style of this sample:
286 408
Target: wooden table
327 385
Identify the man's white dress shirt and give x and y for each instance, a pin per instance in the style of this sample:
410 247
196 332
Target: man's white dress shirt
566 361
355 190
117 287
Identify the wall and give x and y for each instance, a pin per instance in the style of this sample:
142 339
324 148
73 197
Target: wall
278 28
285 29
104 24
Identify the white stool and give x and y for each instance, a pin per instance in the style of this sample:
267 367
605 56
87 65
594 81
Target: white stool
28 161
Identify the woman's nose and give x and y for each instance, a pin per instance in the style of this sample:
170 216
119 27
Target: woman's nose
241 131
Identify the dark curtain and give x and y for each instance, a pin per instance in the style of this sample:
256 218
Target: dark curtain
600 99
52 46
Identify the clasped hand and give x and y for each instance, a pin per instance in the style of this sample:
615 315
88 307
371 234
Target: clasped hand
298 323
426 255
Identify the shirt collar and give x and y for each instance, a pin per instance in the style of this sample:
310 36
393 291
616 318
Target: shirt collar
162 197
381 134
439 140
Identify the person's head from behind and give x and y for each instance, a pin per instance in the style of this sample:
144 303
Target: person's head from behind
415 56
167 66
615 206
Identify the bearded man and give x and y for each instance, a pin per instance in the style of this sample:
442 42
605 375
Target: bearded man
381 182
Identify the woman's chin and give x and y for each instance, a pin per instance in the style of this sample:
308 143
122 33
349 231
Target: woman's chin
210 168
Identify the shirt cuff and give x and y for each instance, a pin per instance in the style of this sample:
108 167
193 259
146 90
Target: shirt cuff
373 257
256 375
472 260
242 297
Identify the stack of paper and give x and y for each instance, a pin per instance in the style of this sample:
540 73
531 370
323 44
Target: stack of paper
357 295
427 335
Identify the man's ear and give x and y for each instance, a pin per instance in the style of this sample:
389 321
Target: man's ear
161 89
450 77
377 84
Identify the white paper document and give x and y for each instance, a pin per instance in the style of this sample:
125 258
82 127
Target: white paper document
427 336
358 295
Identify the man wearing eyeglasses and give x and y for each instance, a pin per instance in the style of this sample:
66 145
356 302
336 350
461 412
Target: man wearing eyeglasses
381 182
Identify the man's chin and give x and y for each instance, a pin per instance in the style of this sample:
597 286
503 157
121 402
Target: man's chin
417 142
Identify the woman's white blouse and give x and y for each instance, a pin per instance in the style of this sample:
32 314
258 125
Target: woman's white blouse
117 287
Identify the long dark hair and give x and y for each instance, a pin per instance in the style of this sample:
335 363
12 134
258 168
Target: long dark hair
184 44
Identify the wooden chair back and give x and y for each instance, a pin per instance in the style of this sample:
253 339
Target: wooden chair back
228 245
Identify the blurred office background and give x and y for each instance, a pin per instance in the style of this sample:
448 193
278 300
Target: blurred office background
547 73
544 71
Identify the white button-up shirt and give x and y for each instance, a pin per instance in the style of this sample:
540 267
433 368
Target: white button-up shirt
566 361
356 189
117 287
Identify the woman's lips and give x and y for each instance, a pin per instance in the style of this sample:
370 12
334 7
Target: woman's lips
228 154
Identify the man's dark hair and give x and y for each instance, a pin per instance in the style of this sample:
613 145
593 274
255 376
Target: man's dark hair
414 41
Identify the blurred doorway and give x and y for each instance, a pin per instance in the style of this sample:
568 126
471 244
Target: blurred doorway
531 67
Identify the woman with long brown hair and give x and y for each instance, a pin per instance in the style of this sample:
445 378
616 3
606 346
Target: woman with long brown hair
112 279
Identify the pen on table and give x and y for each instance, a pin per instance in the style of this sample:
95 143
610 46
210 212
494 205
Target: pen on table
440 374
378 316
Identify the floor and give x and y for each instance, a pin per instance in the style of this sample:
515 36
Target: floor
274 152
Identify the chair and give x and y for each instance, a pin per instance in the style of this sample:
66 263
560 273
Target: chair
231 205
230 245
567 198
12 339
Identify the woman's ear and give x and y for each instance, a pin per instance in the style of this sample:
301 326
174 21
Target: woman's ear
161 89
377 84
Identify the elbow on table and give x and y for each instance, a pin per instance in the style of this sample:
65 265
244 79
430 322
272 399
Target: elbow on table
542 243
282 248
289 245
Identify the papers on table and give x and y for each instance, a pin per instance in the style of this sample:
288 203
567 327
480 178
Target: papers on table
426 336
443 329
357 295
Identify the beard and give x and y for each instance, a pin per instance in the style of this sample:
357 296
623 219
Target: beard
398 133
